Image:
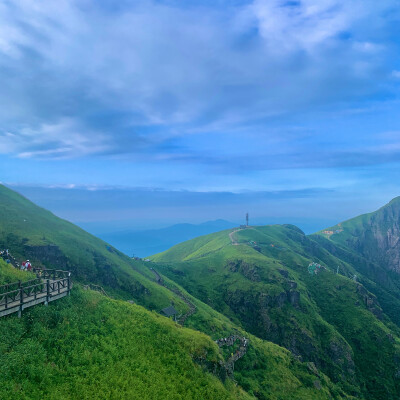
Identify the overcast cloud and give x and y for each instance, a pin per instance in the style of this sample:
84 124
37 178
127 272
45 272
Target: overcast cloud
133 77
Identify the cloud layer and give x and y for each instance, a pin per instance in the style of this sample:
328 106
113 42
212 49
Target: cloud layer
158 80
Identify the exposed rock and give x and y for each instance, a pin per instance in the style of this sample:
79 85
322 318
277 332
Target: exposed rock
312 368
317 385
292 284
294 298
341 355
370 301
250 271
284 272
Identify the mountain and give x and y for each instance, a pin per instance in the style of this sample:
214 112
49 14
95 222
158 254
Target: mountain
282 286
145 242
371 244
90 346
29 231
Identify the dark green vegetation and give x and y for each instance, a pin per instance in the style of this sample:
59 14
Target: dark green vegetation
89 346
347 326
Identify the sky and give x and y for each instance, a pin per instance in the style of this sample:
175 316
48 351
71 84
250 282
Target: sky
163 111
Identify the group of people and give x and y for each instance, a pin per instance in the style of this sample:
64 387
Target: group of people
4 254
26 266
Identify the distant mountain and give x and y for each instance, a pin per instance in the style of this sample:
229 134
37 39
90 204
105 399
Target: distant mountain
146 242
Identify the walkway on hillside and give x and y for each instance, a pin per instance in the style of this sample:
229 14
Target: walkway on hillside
239 353
192 308
228 365
50 285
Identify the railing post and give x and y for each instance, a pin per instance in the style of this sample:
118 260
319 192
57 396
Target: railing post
69 284
48 292
21 299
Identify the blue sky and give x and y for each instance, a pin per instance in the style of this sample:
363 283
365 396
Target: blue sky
290 107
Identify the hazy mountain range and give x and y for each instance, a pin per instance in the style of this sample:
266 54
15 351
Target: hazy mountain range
146 242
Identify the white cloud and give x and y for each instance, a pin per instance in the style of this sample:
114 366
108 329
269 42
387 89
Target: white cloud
65 139
65 65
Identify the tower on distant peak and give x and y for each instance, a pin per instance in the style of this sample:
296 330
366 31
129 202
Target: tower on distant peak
247 219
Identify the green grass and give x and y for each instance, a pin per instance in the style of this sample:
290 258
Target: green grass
87 346
328 326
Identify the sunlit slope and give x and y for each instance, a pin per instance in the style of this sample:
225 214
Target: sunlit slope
195 248
29 231
259 278
87 346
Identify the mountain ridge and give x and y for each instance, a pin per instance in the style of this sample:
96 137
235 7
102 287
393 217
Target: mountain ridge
80 326
262 276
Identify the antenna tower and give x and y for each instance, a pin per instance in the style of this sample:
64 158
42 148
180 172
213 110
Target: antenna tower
247 219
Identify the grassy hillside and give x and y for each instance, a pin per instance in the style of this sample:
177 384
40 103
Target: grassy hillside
87 346
29 231
259 278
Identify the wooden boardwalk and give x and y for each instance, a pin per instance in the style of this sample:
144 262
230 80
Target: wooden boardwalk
50 285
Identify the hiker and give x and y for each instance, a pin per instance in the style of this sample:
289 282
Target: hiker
23 266
29 266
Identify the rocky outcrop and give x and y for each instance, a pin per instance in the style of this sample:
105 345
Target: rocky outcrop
370 301
378 239
250 271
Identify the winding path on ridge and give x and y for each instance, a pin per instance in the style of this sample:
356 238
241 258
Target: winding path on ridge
229 365
192 308
233 240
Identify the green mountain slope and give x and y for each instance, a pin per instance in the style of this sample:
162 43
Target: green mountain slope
87 346
259 278
371 244
29 231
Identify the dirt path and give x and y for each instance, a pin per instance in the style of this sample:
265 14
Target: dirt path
234 242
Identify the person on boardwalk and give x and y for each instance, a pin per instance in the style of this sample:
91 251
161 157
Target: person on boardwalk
29 266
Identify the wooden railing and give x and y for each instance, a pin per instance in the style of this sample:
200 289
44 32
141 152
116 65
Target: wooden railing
16 296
